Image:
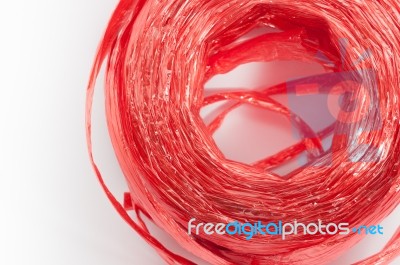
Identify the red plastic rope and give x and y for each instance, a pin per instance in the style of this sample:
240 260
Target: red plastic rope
159 56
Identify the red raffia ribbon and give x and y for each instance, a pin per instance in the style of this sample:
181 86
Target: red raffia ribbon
160 55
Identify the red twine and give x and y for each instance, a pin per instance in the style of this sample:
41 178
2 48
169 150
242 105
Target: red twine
161 53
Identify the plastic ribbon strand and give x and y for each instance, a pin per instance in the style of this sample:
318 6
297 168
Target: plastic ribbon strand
160 54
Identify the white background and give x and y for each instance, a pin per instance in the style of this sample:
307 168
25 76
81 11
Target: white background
53 210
